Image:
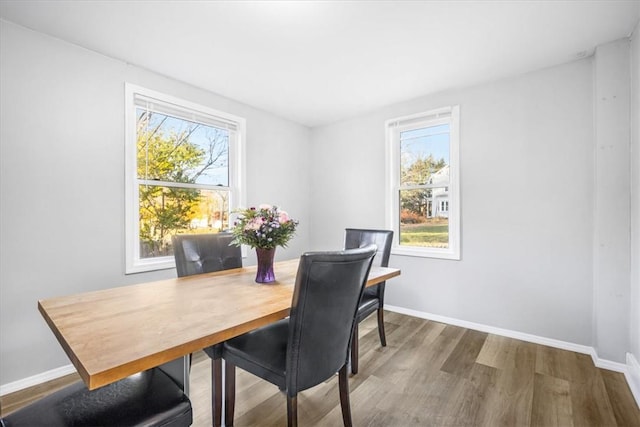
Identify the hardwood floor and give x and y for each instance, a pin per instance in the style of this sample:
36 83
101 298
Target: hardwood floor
430 374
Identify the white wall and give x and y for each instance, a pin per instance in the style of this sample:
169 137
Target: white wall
62 181
527 179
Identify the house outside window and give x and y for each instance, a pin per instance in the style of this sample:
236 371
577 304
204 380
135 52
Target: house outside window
444 208
183 174
423 183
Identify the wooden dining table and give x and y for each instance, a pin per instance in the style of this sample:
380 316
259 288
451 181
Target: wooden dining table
113 333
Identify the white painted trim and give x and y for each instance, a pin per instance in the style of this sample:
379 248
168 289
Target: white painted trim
36 379
237 177
493 330
633 377
393 127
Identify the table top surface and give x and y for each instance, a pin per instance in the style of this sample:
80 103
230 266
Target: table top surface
113 333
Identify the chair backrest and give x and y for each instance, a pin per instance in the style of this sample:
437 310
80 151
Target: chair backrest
358 238
327 291
204 253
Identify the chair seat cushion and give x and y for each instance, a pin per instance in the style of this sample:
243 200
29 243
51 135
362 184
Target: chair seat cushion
261 352
149 398
368 305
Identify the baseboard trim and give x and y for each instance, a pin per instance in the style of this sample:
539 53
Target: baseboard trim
633 376
631 369
564 345
36 379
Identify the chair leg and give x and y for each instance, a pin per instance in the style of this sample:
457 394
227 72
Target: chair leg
354 350
292 411
383 338
216 392
230 393
343 385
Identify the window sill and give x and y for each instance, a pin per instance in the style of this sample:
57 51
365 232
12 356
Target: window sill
426 253
147 265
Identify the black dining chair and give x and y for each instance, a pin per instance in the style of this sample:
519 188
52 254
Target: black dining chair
205 253
311 345
373 296
150 398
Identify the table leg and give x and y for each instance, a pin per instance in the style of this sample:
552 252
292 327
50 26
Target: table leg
178 370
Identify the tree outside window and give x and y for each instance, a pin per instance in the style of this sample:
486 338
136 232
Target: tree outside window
171 152
424 175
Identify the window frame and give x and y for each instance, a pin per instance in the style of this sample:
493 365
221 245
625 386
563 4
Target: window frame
393 127
236 163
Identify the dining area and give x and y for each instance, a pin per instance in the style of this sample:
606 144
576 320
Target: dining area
132 132
296 327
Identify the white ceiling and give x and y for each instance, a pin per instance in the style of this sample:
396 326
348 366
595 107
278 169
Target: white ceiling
316 62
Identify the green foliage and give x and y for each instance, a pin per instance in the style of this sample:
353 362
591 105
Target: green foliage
418 172
160 158
264 227
167 155
432 234
163 210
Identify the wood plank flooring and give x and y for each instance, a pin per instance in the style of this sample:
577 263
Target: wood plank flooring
430 374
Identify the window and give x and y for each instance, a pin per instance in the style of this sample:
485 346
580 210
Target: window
423 185
183 174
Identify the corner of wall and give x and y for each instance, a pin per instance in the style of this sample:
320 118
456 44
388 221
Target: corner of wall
612 221
633 377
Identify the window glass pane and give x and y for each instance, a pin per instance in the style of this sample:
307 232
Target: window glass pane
424 155
424 217
177 150
165 211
